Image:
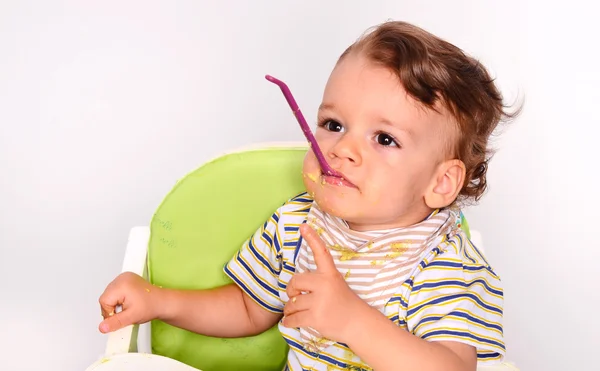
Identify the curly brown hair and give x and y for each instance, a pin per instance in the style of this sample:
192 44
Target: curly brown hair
434 71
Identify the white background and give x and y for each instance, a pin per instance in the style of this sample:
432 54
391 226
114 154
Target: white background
104 105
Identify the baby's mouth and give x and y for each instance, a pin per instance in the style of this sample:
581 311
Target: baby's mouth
339 181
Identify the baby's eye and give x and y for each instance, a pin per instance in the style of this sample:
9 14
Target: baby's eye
386 140
334 126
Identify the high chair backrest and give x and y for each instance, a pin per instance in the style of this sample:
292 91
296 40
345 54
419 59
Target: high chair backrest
199 226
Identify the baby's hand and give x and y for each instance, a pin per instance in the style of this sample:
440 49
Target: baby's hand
136 296
329 306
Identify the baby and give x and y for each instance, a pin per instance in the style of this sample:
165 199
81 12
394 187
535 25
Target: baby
369 270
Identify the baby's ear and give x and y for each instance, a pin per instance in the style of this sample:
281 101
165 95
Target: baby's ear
446 184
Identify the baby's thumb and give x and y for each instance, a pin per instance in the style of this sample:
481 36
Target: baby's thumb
115 322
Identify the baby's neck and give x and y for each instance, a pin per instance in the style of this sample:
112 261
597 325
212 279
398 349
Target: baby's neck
403 221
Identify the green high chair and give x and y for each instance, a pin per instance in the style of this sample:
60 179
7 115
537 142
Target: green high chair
197 228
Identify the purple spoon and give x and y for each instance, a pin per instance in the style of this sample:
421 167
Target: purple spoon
304 126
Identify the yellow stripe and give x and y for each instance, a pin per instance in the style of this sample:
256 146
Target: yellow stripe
258 265
284 269
398 302
393 314
467 282
426 306
465 254
295 340
328 354
268 233
420 268
298 203
462 338
460 319
477 251
292 225
291 246
278 237
480 268
460 250
259 252
295 213
497 357
441 258
272 220
486 320
343 360
427 289
452 243
429 269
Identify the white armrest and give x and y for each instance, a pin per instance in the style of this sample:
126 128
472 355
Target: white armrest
137 251
125 339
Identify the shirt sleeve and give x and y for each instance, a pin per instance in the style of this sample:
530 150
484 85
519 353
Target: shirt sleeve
457 297
256 266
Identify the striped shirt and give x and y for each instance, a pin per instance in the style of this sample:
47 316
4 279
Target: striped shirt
448 293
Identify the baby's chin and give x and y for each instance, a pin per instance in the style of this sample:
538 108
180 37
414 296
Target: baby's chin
354 219
337 206
358 215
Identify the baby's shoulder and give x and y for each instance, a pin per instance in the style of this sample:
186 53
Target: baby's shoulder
294 210
301 202
287 218
456 256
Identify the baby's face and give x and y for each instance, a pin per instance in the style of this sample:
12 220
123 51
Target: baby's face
386 145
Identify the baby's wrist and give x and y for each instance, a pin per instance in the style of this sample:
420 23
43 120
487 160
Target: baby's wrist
358 326
161 303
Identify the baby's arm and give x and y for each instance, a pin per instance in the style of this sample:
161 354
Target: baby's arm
227 311
222 312
388 347
452 309
230 311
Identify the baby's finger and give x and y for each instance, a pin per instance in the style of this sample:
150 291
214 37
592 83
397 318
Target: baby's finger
115 322
300 283
108 310
323 259
298 303
298 319
110 298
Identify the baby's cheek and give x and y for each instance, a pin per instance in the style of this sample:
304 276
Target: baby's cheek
311 187
383 195
310 162
376 191
310 174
